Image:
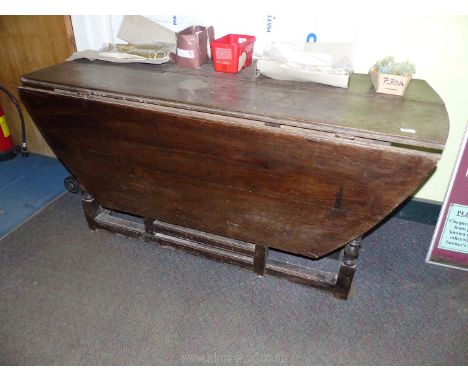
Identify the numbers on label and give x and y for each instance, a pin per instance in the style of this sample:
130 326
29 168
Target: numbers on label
393 81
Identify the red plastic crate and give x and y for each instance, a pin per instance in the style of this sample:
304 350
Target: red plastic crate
232 53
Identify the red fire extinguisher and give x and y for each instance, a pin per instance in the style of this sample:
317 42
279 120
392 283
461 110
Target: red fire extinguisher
7 148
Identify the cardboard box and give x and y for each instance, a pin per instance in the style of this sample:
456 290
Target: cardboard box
389 83
139 30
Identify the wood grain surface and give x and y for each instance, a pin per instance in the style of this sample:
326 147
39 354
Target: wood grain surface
419 118
284 187
31 43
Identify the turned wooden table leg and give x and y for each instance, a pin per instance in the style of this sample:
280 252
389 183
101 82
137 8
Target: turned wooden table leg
149 228
91 209
347 269
259 263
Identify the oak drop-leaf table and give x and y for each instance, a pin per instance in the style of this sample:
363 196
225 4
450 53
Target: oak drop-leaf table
228 166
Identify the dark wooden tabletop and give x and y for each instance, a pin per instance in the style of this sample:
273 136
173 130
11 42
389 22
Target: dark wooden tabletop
418 118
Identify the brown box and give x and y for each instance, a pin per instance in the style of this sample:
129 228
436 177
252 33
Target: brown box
193 46
389 83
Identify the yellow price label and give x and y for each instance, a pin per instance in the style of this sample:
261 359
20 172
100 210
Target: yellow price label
3 124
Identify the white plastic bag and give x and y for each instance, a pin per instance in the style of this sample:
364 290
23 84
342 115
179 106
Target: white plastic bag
325 63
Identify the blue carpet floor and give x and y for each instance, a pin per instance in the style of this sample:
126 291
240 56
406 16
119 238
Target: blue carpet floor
26 186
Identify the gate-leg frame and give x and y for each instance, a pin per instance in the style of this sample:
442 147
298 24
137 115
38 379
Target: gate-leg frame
248 256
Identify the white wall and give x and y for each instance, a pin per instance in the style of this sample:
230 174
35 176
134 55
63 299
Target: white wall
436 45
94 32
